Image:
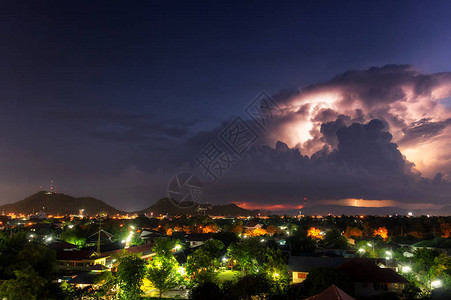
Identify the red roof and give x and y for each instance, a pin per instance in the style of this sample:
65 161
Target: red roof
331 293
365 270
73 255
134 249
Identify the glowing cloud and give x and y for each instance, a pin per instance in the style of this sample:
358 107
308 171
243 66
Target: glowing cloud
406 101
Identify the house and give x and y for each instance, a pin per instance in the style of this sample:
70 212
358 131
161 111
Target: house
105 238
78 260
440 244
61 245
331 293
145 252
149 235
253 225
85 279
300 266
197 239
370 279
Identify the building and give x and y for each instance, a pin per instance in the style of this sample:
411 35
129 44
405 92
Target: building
370 279
197 239
300 266
439 244
331 293
78 260
144 251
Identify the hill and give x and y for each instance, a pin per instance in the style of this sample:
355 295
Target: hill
57 203
166 206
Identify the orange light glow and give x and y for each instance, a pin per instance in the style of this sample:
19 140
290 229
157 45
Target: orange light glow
314 233
255 205
382 232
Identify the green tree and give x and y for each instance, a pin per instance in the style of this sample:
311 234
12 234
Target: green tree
334 240
130 273
41 258
162 272
27 285
204 262
75 235
253 286
276 269
423 263
249 254
163 275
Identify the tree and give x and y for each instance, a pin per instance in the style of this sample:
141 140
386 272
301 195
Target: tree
333 239
254 286
163 275
382 232
130 273
27 285
446 229
249 254
76 236
40 258
206 291
203 263
107 283
271 229
226 238
276 269
353 232
314 233
162 272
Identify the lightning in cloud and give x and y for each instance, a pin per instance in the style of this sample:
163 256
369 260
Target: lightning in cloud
409 103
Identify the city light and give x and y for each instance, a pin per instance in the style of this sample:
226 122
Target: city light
436 283
406 269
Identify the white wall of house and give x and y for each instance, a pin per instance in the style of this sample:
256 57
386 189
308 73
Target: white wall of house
298 277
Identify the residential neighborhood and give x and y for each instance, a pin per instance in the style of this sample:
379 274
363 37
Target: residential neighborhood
353 257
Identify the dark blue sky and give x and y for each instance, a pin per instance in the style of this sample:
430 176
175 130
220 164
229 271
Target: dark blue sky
92 95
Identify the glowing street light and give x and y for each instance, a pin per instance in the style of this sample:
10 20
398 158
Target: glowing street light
436 283
406 269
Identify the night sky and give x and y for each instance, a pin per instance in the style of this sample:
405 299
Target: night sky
111 99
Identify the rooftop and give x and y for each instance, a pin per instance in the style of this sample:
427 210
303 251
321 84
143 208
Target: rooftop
365 270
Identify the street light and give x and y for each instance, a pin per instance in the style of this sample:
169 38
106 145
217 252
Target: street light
406 269
436 283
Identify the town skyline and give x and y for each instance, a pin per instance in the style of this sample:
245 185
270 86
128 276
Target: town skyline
112 101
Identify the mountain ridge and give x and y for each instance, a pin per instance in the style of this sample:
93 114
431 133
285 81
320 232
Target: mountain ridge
59 203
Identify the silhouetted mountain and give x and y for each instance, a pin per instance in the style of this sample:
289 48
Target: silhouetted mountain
166 206
54 203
